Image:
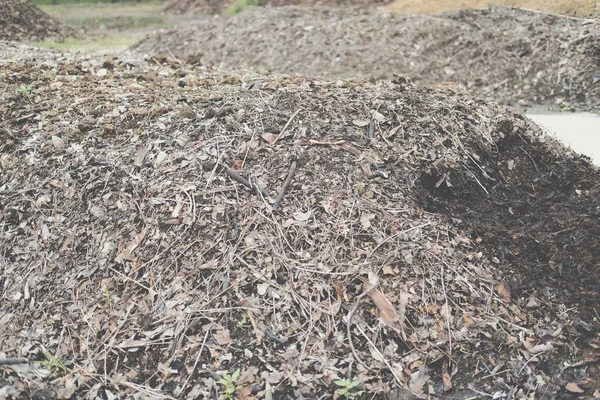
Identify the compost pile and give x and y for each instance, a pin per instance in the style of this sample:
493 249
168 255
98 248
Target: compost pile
498 54
218 6
143 251
21 20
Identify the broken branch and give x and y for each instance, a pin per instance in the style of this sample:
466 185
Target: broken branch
286 184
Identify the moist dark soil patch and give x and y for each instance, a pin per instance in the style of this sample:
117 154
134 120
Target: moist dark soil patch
541 220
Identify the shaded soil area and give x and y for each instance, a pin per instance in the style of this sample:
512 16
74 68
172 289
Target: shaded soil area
218 6
21 20
427 244
498 54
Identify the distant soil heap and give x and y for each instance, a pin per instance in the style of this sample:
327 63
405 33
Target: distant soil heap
499 54
21 20
217 6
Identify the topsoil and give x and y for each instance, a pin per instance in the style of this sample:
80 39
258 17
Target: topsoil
427 245
21 20
498 54
217 6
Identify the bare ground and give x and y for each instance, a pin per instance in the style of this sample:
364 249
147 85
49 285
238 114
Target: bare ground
498 54
414 251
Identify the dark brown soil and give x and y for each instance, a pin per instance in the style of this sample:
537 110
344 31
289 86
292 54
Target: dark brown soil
21 20
429 245
498 54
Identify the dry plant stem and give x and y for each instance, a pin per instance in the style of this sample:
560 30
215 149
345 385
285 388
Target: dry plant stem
195 364
237 177
286 126
380 355
349 323
13 361
286 184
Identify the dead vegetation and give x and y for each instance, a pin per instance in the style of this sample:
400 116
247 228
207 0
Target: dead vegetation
21 20
142 256
498 54
580 8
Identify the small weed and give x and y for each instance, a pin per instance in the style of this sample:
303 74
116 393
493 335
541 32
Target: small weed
243 323
228 383
347 388
107 295
25 90
56 366
239 5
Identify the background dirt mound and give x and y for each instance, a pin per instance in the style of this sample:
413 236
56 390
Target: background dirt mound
21 20
123 223
217 6
499 54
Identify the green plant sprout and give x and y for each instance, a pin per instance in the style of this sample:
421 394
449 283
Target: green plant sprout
25 90
228 383
107 295
347 387
243 323
56 366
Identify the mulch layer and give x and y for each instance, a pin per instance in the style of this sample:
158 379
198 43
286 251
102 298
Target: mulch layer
164 227
498 54
21 20
212 7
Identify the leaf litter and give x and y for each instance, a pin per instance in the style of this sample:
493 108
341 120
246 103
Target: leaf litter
500 54
134 258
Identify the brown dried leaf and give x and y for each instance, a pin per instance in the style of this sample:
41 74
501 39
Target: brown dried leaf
573 388
58 143
446 376
269 137
387 313
140 154
504 292
222 337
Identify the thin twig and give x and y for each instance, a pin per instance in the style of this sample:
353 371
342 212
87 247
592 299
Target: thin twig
349 323
371 128
237 177
286 184
13 361
195 364
285 127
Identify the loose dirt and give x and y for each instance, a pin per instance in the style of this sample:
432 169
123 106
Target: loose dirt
498 54
21 20
428 244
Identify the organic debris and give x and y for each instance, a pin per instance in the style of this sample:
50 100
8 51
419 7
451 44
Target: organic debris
135 265
498 54
21 20
212 7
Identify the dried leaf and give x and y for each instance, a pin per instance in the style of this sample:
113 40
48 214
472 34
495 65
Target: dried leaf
504 292
58 143
222 337
360 122
573 388
446 376
269 137
365 219
387 313
300 216
140 154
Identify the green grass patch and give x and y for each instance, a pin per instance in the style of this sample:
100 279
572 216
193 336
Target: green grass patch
102 45
240 5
